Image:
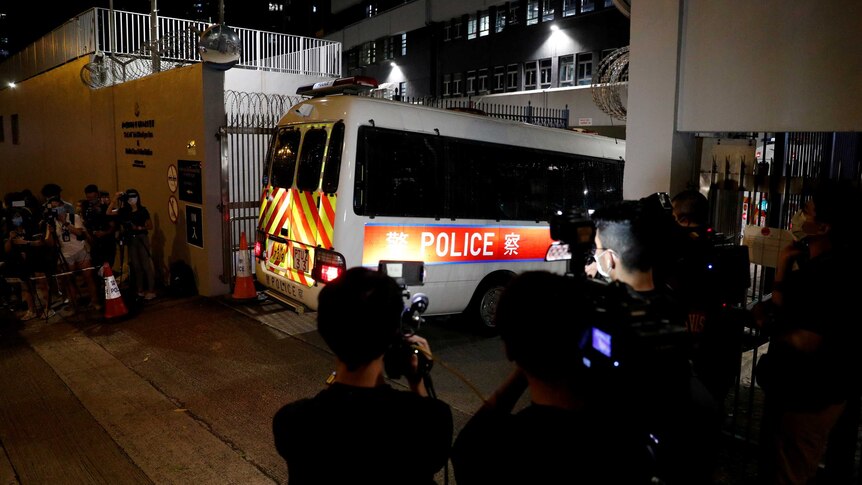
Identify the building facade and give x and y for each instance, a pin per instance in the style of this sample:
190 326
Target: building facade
472 48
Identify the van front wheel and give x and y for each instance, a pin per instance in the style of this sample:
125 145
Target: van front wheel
487 307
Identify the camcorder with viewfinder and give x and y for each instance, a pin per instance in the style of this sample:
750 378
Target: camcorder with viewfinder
397 359
627 328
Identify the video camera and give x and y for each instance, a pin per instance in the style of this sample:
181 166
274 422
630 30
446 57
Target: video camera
627 328
397 359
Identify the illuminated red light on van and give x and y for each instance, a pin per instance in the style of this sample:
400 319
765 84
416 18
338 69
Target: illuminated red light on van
328 265
257 249
329 273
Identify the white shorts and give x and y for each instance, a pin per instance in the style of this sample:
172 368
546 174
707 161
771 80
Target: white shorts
77 257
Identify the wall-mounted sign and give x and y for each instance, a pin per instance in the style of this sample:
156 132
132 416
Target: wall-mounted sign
585 122
194 226
172 178
137 131
173 209
190 181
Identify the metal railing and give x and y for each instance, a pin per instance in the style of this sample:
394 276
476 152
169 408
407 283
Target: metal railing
175 41
550 117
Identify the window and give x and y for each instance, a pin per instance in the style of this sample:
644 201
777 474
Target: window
471 82
369 54
404 44
547 10
352 59
456 29
606 53
530 75
484 23
570 8
457 81
587 5
500 21
311 160
609 3
284 157
403 174
585 68
447 32
15 132
499 79
447 84
532 12
513 83
332 167
471 28
483 80
402 89
513 13
545 73
567 71
371 10
389 47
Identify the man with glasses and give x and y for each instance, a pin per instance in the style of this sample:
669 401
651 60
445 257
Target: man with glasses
686 419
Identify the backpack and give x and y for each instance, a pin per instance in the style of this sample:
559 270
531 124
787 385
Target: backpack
182 282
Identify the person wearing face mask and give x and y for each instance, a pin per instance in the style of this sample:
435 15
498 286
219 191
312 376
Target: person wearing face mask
24 247
811 372
686 419
66 232
135 224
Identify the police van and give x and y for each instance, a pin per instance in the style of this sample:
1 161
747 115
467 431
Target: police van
452 204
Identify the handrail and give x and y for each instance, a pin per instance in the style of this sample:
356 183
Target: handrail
89 33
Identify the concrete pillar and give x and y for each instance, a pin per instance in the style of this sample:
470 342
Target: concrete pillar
658 158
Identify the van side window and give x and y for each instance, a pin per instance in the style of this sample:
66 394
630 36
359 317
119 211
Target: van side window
311 159
332 166
401 171
284 157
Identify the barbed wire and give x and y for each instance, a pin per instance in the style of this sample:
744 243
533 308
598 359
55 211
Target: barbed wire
611 77
109 69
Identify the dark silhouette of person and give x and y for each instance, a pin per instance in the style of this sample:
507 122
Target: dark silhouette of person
360 429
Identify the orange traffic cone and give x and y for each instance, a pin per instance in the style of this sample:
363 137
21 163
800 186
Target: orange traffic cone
114 306
244 288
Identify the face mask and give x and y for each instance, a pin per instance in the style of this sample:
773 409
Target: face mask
133 200
17 221
796 223
605 272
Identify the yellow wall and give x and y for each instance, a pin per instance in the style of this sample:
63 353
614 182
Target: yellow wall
73 136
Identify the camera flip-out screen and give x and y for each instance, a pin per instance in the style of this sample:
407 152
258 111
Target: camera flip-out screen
409 273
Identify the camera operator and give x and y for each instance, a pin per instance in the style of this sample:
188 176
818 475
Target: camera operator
567 433
101 229
66 233
26 258
135 224
360 429
685 416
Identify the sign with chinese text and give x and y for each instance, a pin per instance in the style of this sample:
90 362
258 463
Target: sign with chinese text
452 244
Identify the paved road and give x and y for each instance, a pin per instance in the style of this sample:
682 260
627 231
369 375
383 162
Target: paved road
183 390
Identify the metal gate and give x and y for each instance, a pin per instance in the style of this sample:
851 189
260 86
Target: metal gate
250 120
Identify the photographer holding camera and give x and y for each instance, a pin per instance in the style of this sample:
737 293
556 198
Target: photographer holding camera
26 258
101 229
569 432
135 224
360 429
65 232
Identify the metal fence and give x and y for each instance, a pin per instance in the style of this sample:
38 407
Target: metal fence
127 35
766 192
551 117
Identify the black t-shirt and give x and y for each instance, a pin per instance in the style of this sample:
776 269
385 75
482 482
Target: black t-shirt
819 297
544 444
349 434
130 218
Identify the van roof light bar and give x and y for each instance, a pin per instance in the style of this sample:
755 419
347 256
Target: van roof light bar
344 85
